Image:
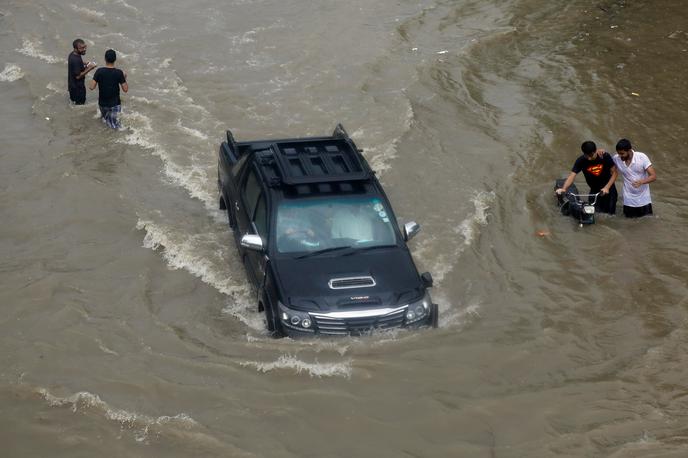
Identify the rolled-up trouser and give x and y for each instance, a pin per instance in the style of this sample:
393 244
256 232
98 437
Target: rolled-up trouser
109 116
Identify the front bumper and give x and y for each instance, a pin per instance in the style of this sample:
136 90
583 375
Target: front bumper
360 322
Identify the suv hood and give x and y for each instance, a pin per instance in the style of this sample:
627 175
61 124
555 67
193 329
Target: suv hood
305 283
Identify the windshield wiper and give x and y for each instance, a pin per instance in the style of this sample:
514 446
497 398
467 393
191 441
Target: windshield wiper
324 250
367 248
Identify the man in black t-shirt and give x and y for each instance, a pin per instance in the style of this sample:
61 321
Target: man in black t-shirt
76 72
600 173
109 79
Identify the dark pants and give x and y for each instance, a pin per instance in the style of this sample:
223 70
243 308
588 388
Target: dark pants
77 95
637 212
606 203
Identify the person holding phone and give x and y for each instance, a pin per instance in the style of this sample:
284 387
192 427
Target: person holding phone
77 71
109 79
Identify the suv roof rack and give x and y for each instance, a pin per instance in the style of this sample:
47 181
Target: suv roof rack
315 160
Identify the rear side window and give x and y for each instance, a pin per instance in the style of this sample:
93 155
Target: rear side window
251 192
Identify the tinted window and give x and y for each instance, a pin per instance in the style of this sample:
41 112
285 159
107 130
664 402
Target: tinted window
260 220
251 192
239 165
316 224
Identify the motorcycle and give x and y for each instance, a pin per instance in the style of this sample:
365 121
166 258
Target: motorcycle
580 206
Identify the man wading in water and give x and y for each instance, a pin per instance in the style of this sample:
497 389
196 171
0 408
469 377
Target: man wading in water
76 72
109 79
638 172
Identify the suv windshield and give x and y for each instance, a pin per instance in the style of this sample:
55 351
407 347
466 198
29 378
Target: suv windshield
314 225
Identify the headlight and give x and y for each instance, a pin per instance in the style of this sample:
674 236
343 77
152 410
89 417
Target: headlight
294 319
589 209
418 310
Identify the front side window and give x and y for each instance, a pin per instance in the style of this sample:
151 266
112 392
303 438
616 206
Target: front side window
251 192
260 220
305 225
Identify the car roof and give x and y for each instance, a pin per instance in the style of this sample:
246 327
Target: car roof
315 160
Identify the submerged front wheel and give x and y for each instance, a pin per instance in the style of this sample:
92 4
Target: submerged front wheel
435 309
272 322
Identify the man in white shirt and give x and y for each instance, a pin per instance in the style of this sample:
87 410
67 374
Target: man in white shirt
638 173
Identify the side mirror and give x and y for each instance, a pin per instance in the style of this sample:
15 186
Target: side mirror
426 278
252 242
410 230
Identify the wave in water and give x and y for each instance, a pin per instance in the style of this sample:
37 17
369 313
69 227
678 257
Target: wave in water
191 131
87 12
127 6
32 49
468 229
193 178
142 424
380 157
186 252
243 308
12 72
342 369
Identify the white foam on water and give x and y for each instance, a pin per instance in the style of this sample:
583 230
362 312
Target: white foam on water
32 49
186 252
342 369
340 345
444 261
439 264
174 87
451 316
105 349
193 132
469 228
380 157
319 345
245 308
194 178
145 100
12 72
84 400
87 12
246 37
127 6
55 87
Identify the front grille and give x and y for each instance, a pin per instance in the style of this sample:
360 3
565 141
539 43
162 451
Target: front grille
351 282
358 325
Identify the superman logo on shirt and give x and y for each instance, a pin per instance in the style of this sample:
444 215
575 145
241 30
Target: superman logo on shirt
595 170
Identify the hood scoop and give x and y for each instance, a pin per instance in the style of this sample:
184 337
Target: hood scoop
351 282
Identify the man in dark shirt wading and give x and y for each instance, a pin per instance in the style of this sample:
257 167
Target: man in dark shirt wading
76 72
109 79
600 173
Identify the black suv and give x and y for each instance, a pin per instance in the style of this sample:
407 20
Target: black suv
318 237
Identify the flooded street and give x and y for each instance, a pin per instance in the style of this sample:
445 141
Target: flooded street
128 327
